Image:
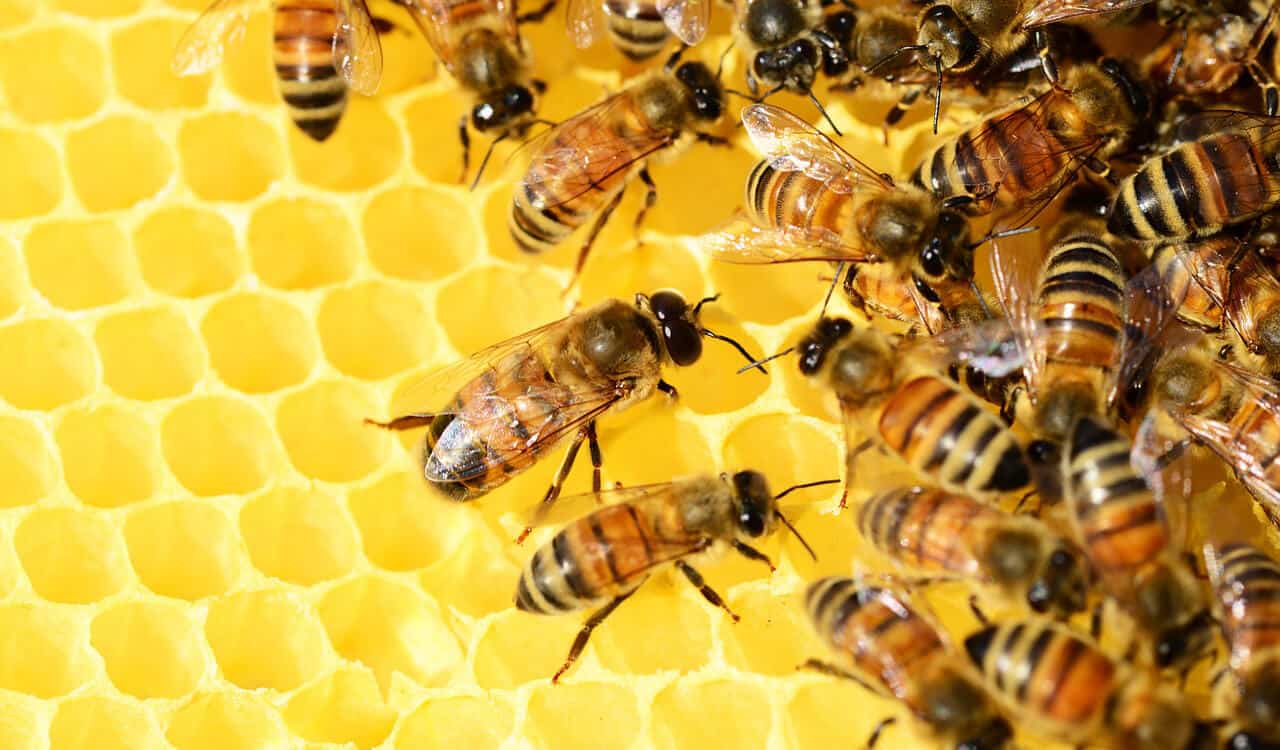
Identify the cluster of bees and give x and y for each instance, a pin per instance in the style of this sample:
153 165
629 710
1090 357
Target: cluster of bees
1147 323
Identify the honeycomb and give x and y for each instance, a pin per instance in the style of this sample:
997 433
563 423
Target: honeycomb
201 545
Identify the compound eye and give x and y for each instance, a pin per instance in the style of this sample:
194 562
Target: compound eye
484 115
518 99
667 306
931 260
684 342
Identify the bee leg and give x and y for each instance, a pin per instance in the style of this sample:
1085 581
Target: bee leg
557 482
977 611
831 670
584 635
1095 621
875 733
404 422
751 553
1009 409
849 462
711 139
1171 455
900 109
465 139
1047 64
595 231
593 448
534 16
650 198
707 592
1265 81
668 389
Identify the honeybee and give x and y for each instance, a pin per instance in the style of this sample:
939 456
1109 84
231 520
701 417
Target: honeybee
582 166
897 653
1121 526
639 29
603 557
515 401
1020 158
1063 686
1194 190
1196 274
811 200
882 289
1246 584
936 531
320 47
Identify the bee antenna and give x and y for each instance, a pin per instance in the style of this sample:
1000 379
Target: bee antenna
488 153
723 56
1001 235
937 96
741 349
796 534
835 279
675 58
805 486
770 358
697 309
825 116
895 54
982 301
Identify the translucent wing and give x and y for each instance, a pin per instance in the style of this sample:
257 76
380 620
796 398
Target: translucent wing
572 507
793 145
989 347
1152 454
357 51
1149 308
1251 282
687 19
585 21
201 47
744 242
1015 274
1053 11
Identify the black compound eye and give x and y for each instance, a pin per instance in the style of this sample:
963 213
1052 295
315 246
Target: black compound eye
753 494
684 342
931 260
484 115
518 99
1133 90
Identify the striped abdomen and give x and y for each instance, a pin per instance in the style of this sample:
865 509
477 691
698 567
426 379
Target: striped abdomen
1196 189
1253 448
593 559
929 529
1248 592
883 637
1117 518
1081 314
491 431
313 91
636 28
1055 681
778 200
946 435
1007 160
1197 274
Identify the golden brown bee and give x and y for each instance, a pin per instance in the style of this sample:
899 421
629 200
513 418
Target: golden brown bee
600 559
1246 584
1121 526
515 401
812 200
939 532
896 652
1060 685
1196 274
582 166
1230 175
1252 307
924 419
320 47
882 289
638 28
1018 159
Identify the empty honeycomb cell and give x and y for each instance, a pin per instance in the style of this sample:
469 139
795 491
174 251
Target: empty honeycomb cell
407 60
117 162
700 188
298 535
419 233
16 13
323 431
13 289
10 570
660 630
26 463
57 364
96 723
365 149
507 301
837 713
773 635
99 8
583 715
218 446
32 183
519 647
184 549
390 627
432 124
140 56
300 243
654 446
149 354
229 156
482 558
187 252
79 264
53 74
151 649
44 651
259 343
266 639
718 713
622 271
343 708
476 723
403 526
789 290
711 385
22 723
71 556
228 721
375 329
788 449
110 454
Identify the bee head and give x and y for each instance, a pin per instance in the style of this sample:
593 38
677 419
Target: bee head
814 347
947 251
793 65
678 325
947 40
753 503
708 95
769 23
1061 587
503 108
1260 698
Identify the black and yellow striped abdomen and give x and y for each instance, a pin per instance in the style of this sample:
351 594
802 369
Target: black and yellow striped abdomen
928 529
791 199
1196 189
636 28
1247 586
313 91
946 435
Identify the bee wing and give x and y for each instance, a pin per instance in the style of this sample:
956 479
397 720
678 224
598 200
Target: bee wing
1053 11
989 347
745 242
432 18
1015 276
357 50
1149 308
1213 121
1149 453
572 507
585 21
793 145
687 19
1251 279
201 47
